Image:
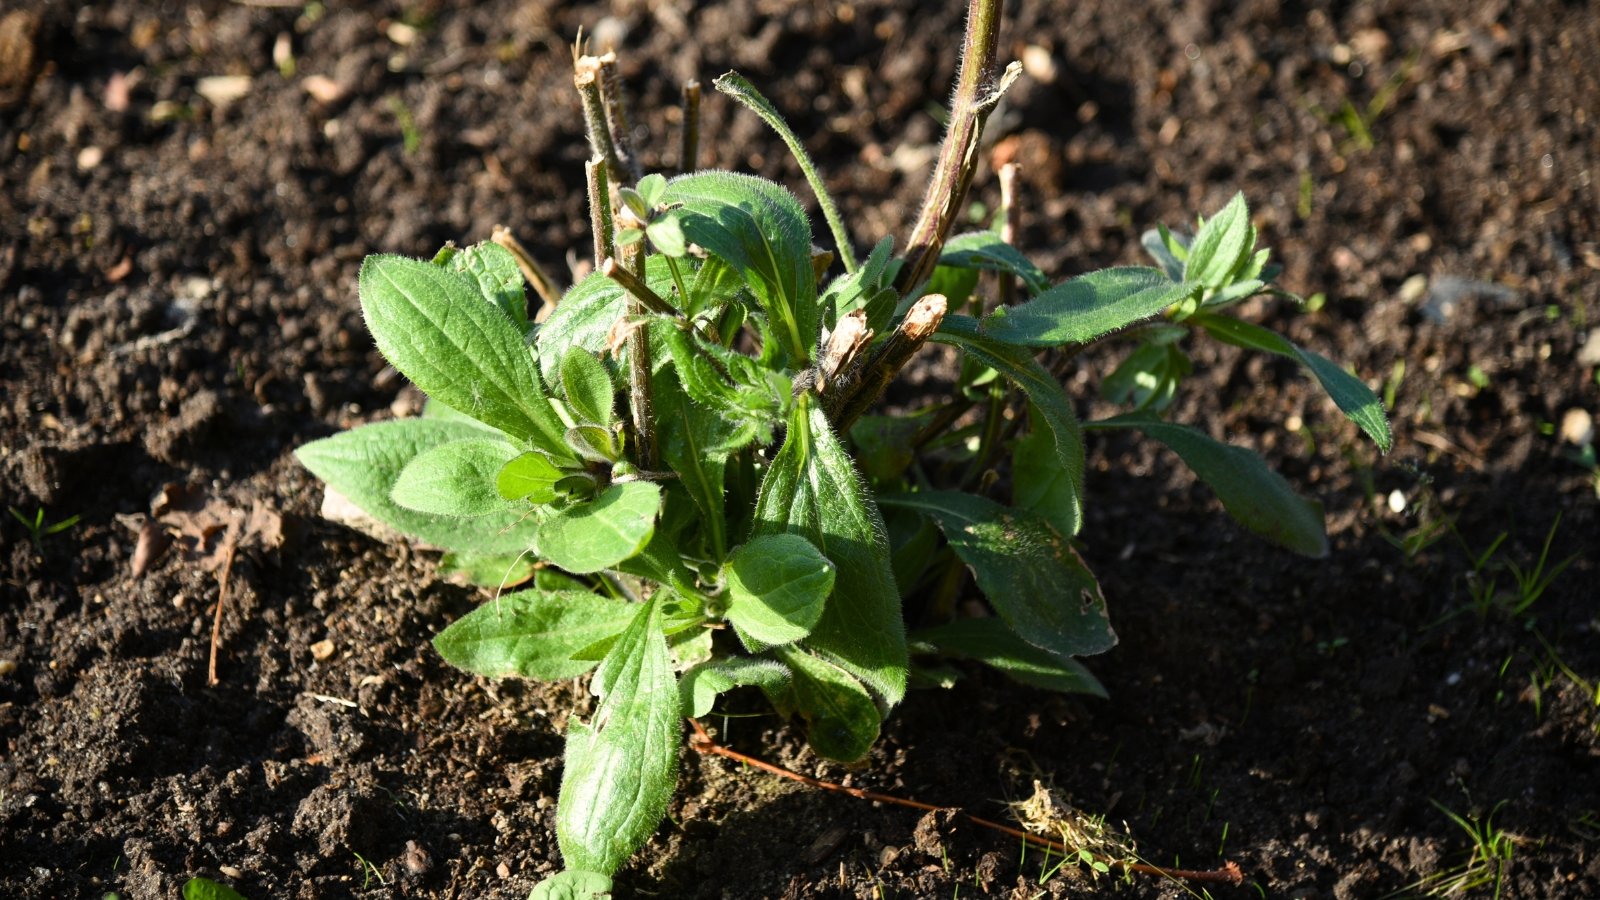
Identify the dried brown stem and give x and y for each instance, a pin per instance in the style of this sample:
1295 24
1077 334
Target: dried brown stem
641 402
689 150
600 223
978 89
702 742
586 78
223 577
1008 229
537 277
616 111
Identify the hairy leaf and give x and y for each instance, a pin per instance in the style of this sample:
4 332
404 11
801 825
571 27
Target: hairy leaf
588 387
1222 243
841 718
1087 307
1055 414
434 327
487 571
622 766
499 280
1030 573
702 684
1259 498
455 479
993 643
811 489
530 476
533 634
588 312
985 250
364 463
573 884
759 228
589 537
777 586
1357 401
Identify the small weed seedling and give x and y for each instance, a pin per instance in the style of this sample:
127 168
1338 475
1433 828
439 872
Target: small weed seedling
1492 852
37 529
681 462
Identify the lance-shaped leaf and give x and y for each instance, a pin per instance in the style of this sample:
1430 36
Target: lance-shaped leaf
589 537
1064 510
363 464
691 439
588 387
1224 242
455 479
1040 484
985 250
867 288
760 229
433 325
777 586
494 270
1087 307
699 687
1353 397
587 313
842 720
533 634
812 489
1253 494
1029 572
530 476
622 766
993 643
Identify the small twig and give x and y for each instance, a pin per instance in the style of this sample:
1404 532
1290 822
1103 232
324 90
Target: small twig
867 380
702 742
637 288
617 115
586 78
689 149
600 222
537 277
222 598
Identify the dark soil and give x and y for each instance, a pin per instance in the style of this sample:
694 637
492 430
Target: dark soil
177 277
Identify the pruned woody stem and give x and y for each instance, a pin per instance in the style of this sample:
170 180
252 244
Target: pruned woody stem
978 89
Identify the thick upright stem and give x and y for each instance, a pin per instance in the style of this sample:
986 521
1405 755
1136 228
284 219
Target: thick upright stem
617 115
641 400
586 78
600 223
975 96
689 150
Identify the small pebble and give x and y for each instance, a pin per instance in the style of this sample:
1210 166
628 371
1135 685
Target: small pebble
1577 427
322 650
89 157
1397 501
231 871
7 667
503 870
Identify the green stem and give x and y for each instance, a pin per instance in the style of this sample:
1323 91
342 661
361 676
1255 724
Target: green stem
736 86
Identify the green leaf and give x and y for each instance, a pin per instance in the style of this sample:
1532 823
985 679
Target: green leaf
455 479
985 250
666 235
744 400
1352 396
1054 411
622 767
499 280
594 443
589 537
842 721
868 288
1149 376
206 889
573 884
651 188
434 327
1030 573
693 440
1039 483
993 643
1087 307
1223 242
530 476
533 634
701 685
1259 498
777 587
587 313
759 228
734 85
884 444
364 463
487 571
588 387
1164 249
812 489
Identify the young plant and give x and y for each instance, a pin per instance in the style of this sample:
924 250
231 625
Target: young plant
679 464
